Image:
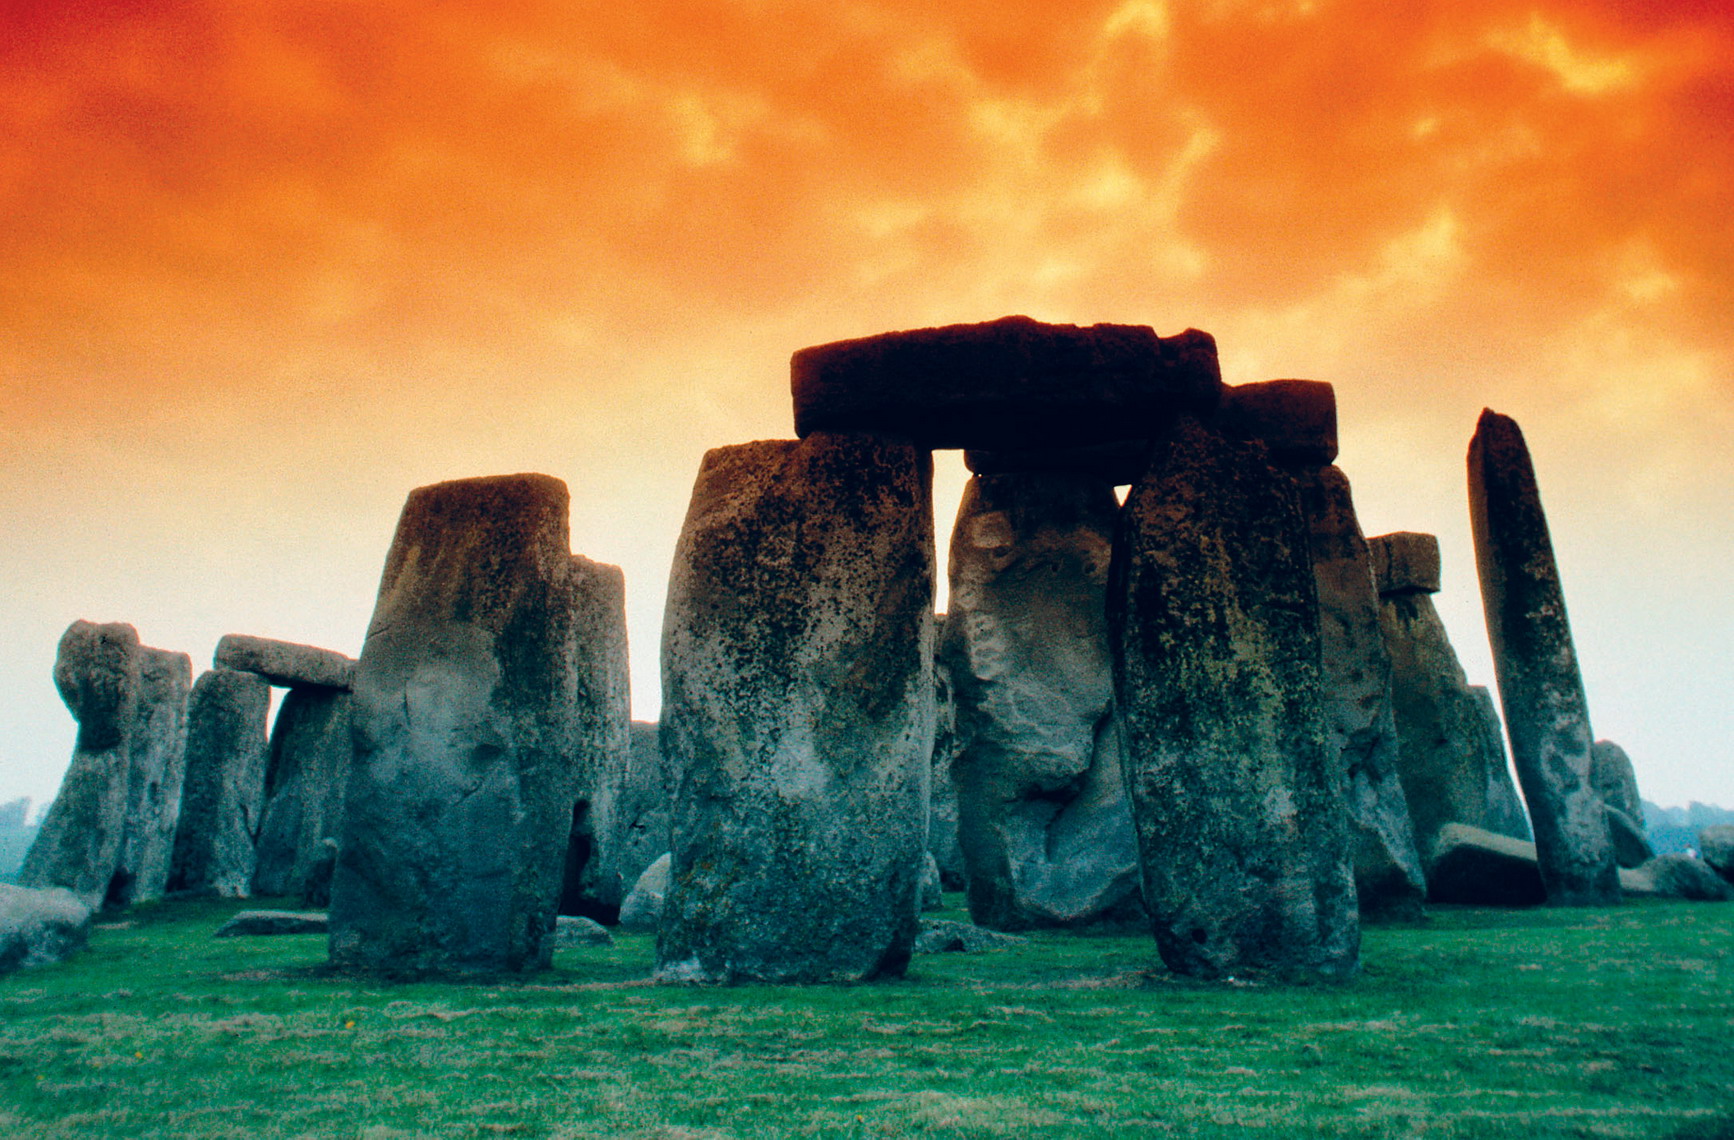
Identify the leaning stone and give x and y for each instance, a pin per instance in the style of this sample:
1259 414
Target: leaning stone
1539 684
593 882
1296 419
157 770
1450 759
1631 846
40 926
1716 848
1405 562
285 662
96 669
1476 867
1236 791
1042 816
574 930
1615 781
798 694
468 749
1013 383
224 791
940 936
1676 877
1357 674
1118 464
271 922
642 909
310 755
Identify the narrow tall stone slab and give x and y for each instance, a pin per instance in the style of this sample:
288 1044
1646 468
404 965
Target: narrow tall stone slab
223 794
1043 821
468 750
157 770
639 833
310 755
1539 684
1450 760
285 662
96 670
1007 384
798 696
1236 791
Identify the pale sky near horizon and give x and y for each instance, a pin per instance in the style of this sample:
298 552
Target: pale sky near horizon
268 266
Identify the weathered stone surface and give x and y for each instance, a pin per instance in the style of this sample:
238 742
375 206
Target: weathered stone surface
593 882
1716 848
940 936
273 922
942 793
305 779
932 890
1043 821
468 751
1676 877
1615 781
642 908
1296 419
637 833
39 926
157 769
96 669
1505 811
1118 463
1473 866
1631 846
1539 684
1013 383
575 930
285 662
223 794
797 666
1450 766
1358 704
1405 562
1236 791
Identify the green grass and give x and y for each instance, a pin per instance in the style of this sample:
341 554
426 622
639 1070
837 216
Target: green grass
1527 1024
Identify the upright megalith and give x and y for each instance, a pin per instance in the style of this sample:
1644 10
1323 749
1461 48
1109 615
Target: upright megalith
1014 383
468 747
1450 759
1540 688
638 832
1297 421
223 795
797 664
307 774
156 772
1042 817
96 670
1237 792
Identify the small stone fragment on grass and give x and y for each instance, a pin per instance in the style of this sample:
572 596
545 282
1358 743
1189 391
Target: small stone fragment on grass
264 922
940 936
575 930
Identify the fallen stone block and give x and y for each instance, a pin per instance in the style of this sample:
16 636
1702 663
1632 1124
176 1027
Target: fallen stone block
1676 877
38 927
940 936
1716 848
641 911
1475 867
575 930
272 922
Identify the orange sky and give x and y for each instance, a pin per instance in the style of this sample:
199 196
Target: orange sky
267 265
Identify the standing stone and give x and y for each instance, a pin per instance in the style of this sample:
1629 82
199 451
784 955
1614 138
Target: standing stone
157 770
942 841
1297 421
311 751
468 754
223 794
1042 817
1236 790
640 833
96 669
1539 684
1615 780
797 664
592 883
1450 758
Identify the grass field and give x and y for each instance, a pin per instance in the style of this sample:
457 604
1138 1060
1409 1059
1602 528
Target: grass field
1476 1024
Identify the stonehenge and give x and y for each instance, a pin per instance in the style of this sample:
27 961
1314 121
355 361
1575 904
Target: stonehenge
223 796
1540 688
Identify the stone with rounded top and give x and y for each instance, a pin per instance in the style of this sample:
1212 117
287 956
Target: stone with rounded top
1013 383
1615 780
285 663
1540 687
156 776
